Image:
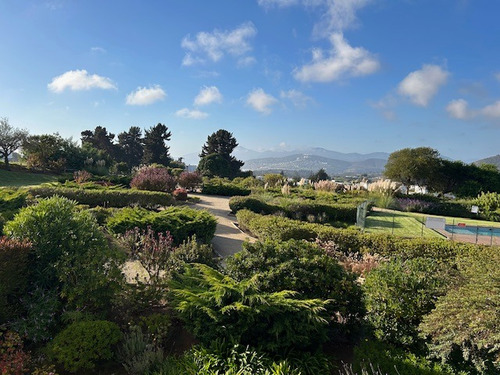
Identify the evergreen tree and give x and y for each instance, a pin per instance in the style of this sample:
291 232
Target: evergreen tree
216 159
100 139
131 146
155 148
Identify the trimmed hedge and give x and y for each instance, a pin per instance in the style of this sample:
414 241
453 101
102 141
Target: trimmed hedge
225 189
106 197
350 240
181 222
299 210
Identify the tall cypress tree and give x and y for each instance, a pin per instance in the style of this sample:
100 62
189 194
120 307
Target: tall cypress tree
131 146
155 148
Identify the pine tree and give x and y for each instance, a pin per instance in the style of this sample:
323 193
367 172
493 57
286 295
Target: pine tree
155 148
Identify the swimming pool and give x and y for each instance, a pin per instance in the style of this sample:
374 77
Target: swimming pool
480 231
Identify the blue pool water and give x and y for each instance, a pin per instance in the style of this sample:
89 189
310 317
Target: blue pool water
481 231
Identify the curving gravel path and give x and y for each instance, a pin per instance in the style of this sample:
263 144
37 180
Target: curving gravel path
228 238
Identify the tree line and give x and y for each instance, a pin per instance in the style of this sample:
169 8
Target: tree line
102 152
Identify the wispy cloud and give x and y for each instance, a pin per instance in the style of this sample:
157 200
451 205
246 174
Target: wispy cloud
208 95
342 61
422 85
214 45
97 50
78 80
191 114
260 101
146 95
460 110
298 99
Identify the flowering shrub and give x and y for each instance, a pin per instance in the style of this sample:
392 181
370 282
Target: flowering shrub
13 359
180 194
413 205
81 177
189 180
153 179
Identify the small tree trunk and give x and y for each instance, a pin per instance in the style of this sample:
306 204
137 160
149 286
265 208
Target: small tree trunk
6 161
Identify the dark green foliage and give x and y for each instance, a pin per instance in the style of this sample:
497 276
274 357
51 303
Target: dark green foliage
70 254
106 197
11 199
349 240
191 251
181 222
131 146
399 294
81 345
464 328
13 275
138 354
388 359
240 360
320 175
306 210
100 139
206 300
216 159
155 148
221 187
302 267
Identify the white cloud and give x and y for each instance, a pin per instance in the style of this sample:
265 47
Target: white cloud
342 61
298 99
97 50
208 95
246 61
260 101
422 85
216 44
77 80
337 15
458 109
191 114
492 110
146 95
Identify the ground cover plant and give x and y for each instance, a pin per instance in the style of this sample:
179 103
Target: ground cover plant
21 177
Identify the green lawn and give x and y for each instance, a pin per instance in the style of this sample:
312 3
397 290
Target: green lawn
409 224
20 178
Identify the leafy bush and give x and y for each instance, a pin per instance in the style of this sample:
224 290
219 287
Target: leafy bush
70 253
13 275
13 359
12 199
297 209
180 194
181 222
82 344
223 187
191 251
398 294
189 180
350 241
153 179
138 354
206 300
302 267
237 359
489 203
387 359
105 197
464 328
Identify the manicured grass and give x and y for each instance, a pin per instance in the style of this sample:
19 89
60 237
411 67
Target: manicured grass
21 178
397 223
409 224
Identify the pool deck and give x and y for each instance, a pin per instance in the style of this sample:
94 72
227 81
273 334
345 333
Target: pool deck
470 238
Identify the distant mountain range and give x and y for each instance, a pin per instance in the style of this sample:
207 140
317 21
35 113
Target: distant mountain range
305 161
495 160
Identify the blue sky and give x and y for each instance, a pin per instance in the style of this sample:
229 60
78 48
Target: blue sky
347 75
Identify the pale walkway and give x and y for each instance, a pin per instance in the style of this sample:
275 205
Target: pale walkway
228 238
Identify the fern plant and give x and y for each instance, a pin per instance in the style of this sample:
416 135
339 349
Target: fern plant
215 306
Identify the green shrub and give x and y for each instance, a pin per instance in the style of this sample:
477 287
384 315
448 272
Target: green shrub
350 241
306 210
138 354
81 345
387 359
106 197
221 187
399 294
302 267
181 222
13 275
70 253
12 199
206 300
191 251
